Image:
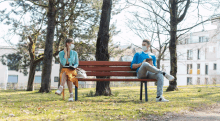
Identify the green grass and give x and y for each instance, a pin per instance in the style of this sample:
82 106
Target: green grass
123 105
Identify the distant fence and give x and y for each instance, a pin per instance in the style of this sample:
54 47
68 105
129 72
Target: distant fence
23 86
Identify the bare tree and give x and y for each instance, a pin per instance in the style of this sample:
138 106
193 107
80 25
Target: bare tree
149 26
175 11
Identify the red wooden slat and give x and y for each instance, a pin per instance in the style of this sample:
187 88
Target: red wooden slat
111 74
106 68
104 63
80 79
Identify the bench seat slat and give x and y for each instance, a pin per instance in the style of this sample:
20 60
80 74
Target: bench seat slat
104 63
106 68
111 73
87 79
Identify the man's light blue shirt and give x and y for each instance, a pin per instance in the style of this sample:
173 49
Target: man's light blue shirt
73 60
139 57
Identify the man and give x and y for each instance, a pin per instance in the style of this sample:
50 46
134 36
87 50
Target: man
146 70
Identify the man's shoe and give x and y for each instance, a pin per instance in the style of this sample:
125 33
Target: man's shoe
169 77
161 99
71 97
59 91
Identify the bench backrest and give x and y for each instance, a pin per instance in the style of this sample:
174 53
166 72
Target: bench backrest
107 68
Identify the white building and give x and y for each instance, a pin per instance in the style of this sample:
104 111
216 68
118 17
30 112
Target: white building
198 57
11 78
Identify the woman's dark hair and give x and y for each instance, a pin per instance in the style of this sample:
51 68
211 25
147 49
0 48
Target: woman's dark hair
68 40
147 41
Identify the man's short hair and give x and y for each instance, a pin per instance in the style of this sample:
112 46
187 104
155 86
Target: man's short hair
147 41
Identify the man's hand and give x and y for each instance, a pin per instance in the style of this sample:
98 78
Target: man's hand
150 62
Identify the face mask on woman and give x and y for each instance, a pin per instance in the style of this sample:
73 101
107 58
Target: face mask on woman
71 46
144 48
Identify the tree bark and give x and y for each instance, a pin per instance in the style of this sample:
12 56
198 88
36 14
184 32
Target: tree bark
48 51
103 88
31 50
31 76
174 21
172 47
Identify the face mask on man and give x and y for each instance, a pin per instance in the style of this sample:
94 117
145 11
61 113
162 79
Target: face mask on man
71 46
144 48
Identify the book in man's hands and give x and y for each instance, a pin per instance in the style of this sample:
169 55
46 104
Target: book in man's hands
148 59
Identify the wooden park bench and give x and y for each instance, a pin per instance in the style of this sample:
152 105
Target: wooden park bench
111 68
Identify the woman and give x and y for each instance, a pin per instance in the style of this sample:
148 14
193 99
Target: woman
68 57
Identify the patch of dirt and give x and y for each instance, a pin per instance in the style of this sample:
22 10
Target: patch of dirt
207 113
210 113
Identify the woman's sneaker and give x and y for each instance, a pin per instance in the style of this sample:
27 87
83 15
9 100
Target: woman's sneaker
59 91
169 77
161 99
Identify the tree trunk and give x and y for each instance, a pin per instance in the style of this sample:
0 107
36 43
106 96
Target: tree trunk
103 88
172 47
31 76
158 61
48 51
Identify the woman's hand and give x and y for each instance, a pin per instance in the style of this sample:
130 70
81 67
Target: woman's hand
65 50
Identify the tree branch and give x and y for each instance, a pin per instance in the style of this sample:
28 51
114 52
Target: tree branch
30 47
45 6
184 13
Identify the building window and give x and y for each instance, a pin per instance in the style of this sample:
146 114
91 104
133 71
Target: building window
39 66
12 78
203 39
215 66
56 79
198 68
206 69
37 79
198 54
189 80
189 68
198 81
189 54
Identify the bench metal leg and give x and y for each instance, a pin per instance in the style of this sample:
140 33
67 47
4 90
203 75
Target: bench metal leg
146 98
76 93
141 90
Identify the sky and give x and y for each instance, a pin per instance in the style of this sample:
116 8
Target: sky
126 36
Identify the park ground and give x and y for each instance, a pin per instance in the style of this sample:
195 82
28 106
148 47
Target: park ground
195 102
